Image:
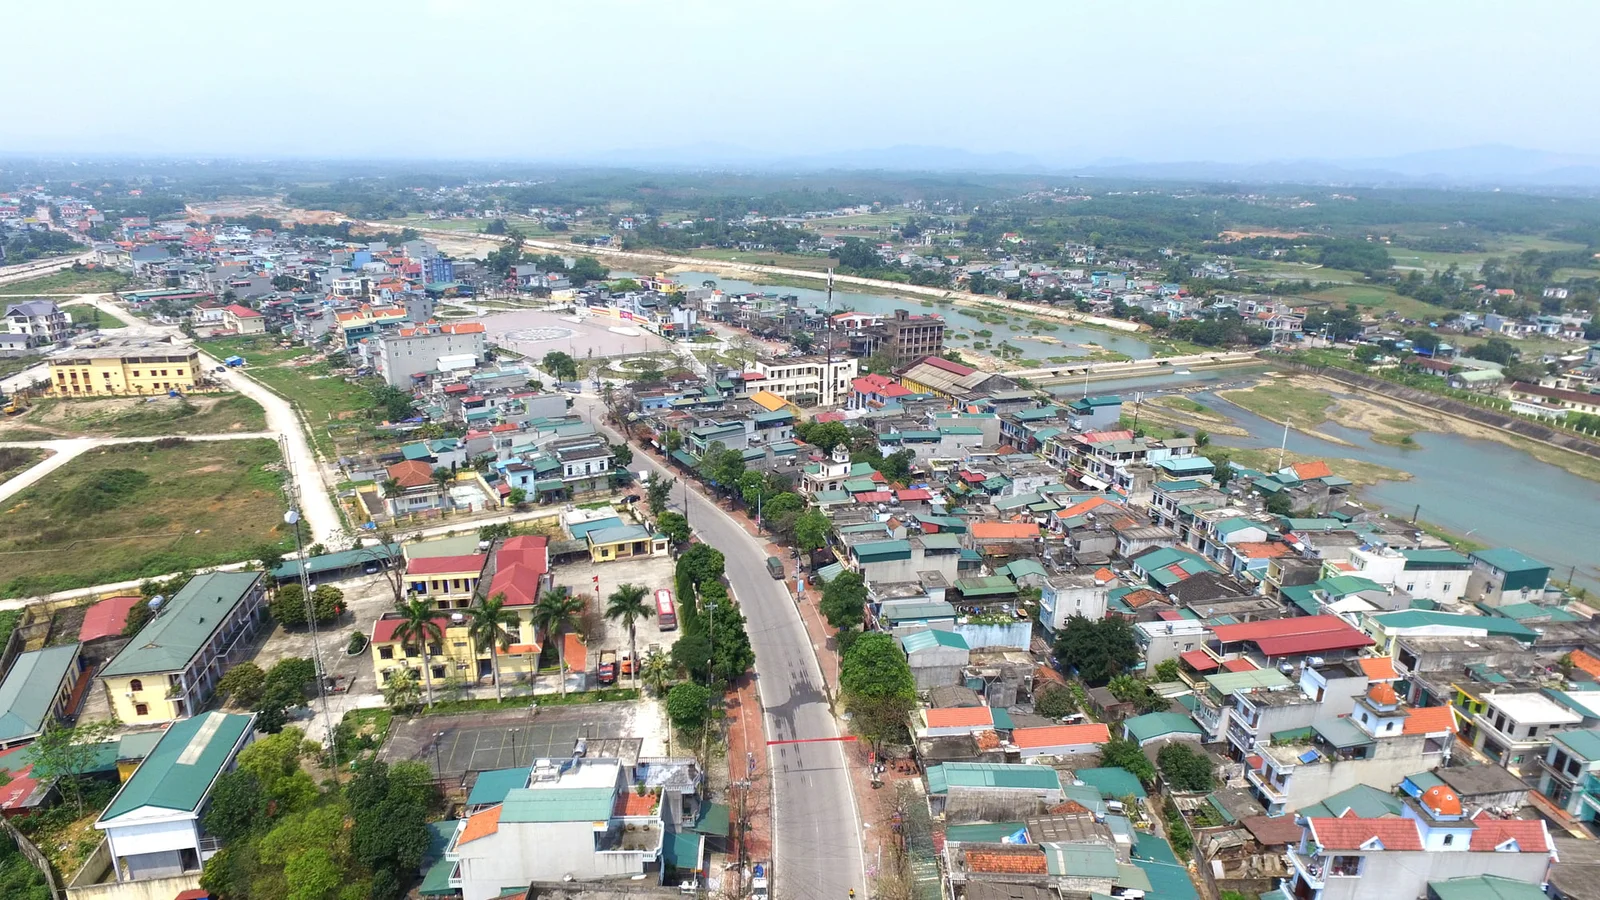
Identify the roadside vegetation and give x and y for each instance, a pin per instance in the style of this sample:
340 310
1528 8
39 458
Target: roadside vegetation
53 418
76 280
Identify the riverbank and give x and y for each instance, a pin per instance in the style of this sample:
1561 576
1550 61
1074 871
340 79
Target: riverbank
1307 401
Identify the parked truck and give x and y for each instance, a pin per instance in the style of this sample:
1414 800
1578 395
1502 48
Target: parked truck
234 362
608 667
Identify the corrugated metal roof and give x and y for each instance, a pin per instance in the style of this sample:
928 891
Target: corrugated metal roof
184 625
557 805
179 772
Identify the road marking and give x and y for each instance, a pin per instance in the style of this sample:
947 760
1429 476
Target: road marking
848 737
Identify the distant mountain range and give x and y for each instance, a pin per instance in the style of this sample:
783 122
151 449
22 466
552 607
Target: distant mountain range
1486 166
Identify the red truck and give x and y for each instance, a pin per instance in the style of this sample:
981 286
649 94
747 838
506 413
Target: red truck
608 666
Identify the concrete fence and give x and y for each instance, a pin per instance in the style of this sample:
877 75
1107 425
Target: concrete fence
34 856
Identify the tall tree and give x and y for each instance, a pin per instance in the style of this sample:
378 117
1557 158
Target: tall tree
877 686
419 627
489 624
556 612
66 754
1099 650
627 605
844 601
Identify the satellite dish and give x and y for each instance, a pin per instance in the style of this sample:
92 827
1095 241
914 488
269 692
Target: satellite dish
292 517
156 601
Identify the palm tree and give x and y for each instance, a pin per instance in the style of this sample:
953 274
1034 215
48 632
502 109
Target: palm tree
489 625
556 611
391 488
419 625
627 603
442 477
657 671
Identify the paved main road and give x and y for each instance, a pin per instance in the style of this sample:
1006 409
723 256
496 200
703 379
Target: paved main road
816 831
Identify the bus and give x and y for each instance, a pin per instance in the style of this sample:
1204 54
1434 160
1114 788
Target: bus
666 611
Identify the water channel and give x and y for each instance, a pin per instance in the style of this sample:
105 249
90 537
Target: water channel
1038 346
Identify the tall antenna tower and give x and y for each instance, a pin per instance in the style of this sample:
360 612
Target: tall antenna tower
292 519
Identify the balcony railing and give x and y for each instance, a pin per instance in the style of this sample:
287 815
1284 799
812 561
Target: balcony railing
1274 793
1310 868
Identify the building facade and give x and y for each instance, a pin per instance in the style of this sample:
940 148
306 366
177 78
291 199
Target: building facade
125 366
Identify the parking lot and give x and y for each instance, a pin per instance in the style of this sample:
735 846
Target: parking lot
650 573
453 746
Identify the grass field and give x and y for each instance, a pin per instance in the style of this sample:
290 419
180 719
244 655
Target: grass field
13 460
871 220
1362 473
766 258
1376 299
1510 245
298 374
70 281
136 417
1278 401
136 510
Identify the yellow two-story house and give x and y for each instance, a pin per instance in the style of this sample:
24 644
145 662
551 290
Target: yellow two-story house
170 669
450 581
121 366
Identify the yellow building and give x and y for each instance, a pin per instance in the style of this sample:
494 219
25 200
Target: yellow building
457 656
170 669
624 542
125 366
771 402
450 581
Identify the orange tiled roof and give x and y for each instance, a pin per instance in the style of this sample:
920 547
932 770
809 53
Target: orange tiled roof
1029 862
1262 549
481 824
1530 834
1005 530
1585 662
1430 720
1061 735
960 717
1378 668
1350 833
987 740
411 473
634 804
1314 469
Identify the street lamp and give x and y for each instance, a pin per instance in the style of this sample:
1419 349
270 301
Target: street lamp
292 519
438 736
513 745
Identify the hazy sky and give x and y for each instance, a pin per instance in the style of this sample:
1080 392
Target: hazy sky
1060 81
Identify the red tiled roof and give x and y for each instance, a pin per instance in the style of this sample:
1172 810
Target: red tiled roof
520 563
457 388
1061 735
383 630
1240 664
1100 437
1307 634
1530 834
1142 596
1199 660
1078 509
1350 833
243 312
446 565
914 494
1308 470
945 364
633 804
874 497
14 793
411 473
107 618
1429 720
1104 575
960 717
1008 862
987 740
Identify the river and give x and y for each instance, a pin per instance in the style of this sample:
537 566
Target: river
1483 490
1014 330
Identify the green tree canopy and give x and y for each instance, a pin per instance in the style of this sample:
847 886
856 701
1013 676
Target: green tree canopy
1098 650
844 601
1186 769
876 684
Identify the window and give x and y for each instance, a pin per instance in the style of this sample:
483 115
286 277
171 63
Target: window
386 653
135 685
1449 839
1446 587
141 709
1411 587
1346 866
1533 731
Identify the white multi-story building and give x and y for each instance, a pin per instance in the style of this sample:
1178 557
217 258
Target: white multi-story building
817 376
42 321
408 352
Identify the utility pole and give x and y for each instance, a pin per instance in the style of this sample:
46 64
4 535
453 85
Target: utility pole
292 519
1283 447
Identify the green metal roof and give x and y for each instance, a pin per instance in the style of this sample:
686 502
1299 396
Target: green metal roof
557 805
1081 860
683 458
924 640
1301 596
825 497
580 530
1168 881
1021 568
1429 559
1584 743
1159 724
1228 682
1423 618
1111 781
330 562
904 612
1368 803
417 451
1507 560
982 832
549 484
620 534
942 778
683 850
436 881
29 690
862 486
184 625
876 551
941 541
493 786
1236 524
985 586
1340 586
1342 733
179 772
1001 717
829 572
1485 887
714 819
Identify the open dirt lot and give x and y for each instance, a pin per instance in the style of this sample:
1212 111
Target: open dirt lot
455 745
536 333
135 417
